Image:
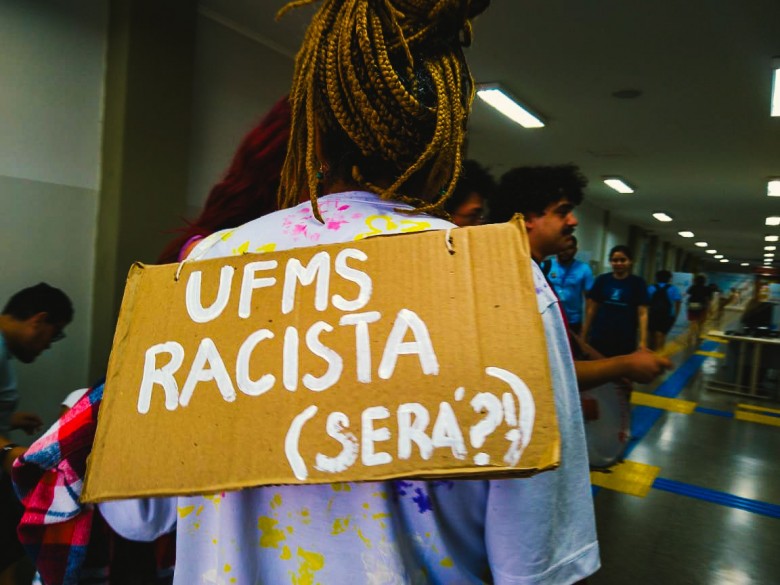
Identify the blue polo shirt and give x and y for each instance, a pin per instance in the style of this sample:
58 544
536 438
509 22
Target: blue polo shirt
571 282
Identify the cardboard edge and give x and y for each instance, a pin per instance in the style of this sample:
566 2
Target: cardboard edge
132 284
430 475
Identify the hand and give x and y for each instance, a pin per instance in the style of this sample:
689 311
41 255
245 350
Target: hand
645 366
29 422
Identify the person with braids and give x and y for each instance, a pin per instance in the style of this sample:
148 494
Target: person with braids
380 100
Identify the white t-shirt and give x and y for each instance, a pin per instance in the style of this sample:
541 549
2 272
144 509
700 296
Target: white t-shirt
538 530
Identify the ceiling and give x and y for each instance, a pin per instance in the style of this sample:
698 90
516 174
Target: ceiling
698 143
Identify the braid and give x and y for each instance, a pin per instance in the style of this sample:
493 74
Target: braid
381 83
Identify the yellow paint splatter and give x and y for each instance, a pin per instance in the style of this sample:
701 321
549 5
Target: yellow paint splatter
380 516
340 525
233 580
242 249
330 504
271 536
196 525
215 499
228 568
366 506
286 553
214 541
311 562
290 529
447 562
199 511
276 501
266 248
341 487
382 495
185 511
365 540
306 516
227 235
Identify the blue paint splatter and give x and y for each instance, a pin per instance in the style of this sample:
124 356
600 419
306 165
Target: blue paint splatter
423 501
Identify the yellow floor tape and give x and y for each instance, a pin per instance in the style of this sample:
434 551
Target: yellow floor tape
715 339
757 408
757 418
670 404
628 477
715 354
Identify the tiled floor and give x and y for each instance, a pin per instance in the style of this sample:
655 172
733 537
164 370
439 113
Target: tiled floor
671 538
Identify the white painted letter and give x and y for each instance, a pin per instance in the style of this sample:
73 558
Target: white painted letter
250 283
362 341
192 298
446 432
162 376
243 381
319 267
207 355
337 422
521 436
293 438
413 432
360 278
290 359
335 363
370 435
396 345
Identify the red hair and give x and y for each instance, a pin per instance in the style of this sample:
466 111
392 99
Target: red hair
248 189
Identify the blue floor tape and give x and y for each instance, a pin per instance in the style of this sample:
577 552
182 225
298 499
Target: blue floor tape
716 497
714 412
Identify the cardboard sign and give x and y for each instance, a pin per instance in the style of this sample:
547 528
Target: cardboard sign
416 356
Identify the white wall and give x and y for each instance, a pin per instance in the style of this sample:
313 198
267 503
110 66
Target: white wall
51 67
237 79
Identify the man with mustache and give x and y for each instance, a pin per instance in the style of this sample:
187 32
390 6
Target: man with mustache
547 197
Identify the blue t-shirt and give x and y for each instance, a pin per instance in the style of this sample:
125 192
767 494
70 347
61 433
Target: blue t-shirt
671 291
571 283
616 323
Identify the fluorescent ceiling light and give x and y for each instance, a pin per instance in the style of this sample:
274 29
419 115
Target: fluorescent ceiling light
773 188
769 254
745 264
661 216
702 244
776 87
618 184
771 238
770 248
686 234
711 251
718 256
724 260
773 220
500 100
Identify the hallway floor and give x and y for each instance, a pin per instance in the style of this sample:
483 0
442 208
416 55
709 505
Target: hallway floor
712 515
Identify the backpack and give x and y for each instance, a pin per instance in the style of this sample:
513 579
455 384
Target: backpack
660 305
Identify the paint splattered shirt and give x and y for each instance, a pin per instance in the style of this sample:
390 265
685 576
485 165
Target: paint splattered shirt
532 531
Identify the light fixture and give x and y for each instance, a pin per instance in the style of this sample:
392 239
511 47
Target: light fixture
718 256
685 234
661 216
773 188
771 238
498 98
770 248
711 251
701 244
773 220
618 184
745 264
775 87
769 254
724 260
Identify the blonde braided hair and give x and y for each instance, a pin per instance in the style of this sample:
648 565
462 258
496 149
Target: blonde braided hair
388 79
